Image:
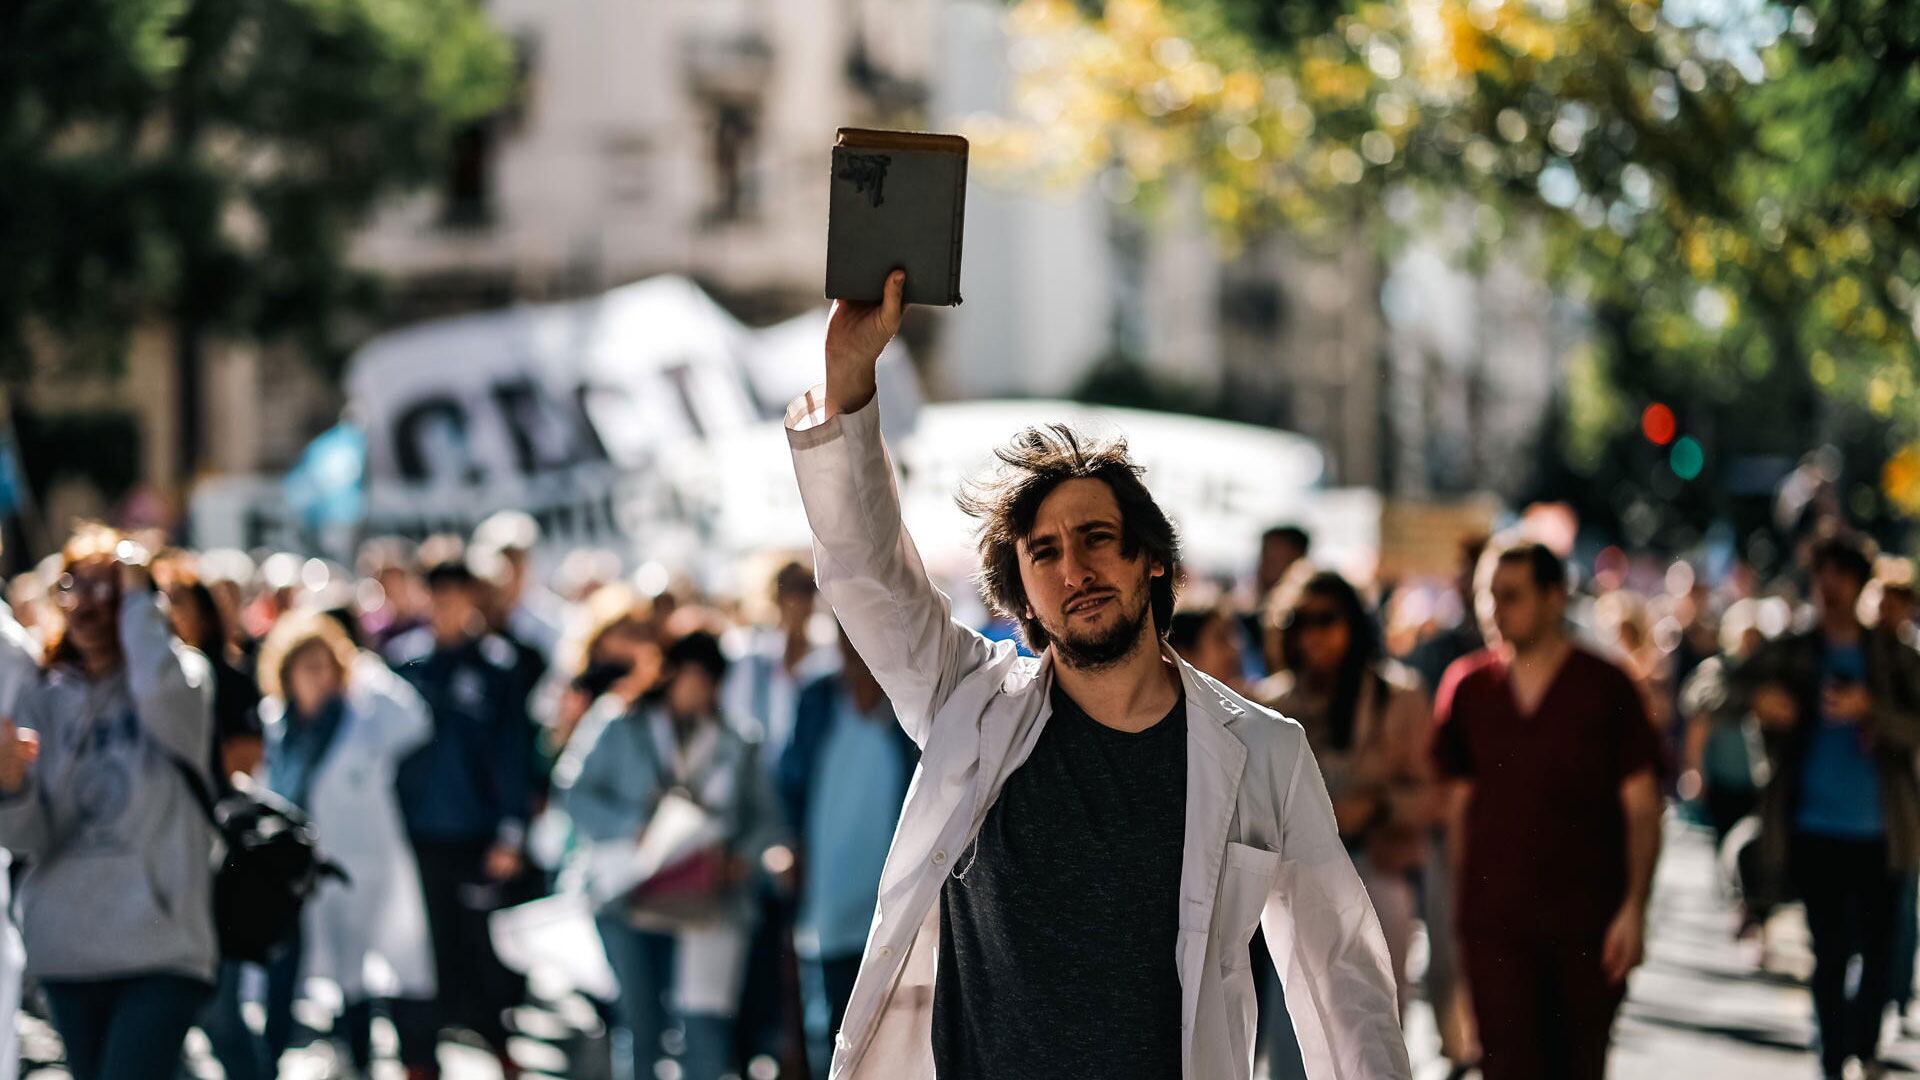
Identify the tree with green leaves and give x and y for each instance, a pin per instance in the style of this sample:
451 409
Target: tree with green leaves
1730 187
201 165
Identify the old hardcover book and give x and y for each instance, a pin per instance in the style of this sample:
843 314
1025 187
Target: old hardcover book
899 199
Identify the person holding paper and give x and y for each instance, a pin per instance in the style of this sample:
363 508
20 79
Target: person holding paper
674 808
1092 834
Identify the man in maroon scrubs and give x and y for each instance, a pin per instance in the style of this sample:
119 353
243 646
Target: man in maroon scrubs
1554 826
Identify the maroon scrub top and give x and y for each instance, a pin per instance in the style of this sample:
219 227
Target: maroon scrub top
1546 850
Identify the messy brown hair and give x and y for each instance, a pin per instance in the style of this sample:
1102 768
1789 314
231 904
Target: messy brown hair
1032 465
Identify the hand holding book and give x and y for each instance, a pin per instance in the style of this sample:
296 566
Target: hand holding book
857 333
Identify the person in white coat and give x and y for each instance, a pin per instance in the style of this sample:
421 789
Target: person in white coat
338 723
1092 834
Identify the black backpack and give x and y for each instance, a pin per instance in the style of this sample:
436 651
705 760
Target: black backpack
270 868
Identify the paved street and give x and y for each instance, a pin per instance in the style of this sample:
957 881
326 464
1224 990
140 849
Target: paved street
1697 1010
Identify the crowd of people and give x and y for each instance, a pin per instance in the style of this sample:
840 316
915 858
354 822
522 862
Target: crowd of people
467 729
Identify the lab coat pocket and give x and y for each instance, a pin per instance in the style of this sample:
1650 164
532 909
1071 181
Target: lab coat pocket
1246 880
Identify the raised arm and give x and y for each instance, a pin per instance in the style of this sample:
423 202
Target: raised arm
172 685
867 565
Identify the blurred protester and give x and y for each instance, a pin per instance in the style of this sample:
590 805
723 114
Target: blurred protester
1445 981
680 962
529 611
1625 630
339 722
464 796
1895 605
237 735
228 575
1431 658
843 780
1369 725
398 606
774 662
1554 827
1282 549
615 651
1840 704
1210 640
1724 765
618 652
237 748
1697 641
763 685
117 903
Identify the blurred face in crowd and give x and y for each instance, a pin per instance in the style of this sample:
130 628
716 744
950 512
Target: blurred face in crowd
1837 590
1277 556
1323 634
400 588
312 678
1523 611
1216 651
692 693
455 612
1093 601
89 595
795 601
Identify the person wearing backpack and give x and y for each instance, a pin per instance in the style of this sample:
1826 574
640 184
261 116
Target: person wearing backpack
117 905
338 723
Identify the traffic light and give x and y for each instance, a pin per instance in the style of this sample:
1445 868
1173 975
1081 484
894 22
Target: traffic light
1658 425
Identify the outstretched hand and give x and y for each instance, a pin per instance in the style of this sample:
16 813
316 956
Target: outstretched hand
856 335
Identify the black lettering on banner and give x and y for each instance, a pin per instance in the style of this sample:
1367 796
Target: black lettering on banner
519 405
590 442
410 432
680 377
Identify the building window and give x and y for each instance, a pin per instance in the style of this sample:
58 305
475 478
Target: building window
733 144
473 156
469 190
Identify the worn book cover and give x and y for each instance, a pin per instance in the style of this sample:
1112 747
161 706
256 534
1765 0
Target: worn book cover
899 199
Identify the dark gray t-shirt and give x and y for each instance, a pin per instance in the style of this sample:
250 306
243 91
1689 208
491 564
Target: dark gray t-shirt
1059 925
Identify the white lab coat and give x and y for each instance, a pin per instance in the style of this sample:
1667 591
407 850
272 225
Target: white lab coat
1261 846
368 935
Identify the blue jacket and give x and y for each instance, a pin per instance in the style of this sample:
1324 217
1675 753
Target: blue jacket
470 781
611 777
813 721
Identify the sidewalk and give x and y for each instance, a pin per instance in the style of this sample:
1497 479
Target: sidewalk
1698 1009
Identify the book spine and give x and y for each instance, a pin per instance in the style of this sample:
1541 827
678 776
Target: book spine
959 223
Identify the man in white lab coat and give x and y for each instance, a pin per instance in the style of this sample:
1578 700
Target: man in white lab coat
1092 835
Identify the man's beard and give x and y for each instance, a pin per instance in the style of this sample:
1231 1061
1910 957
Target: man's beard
1103 649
